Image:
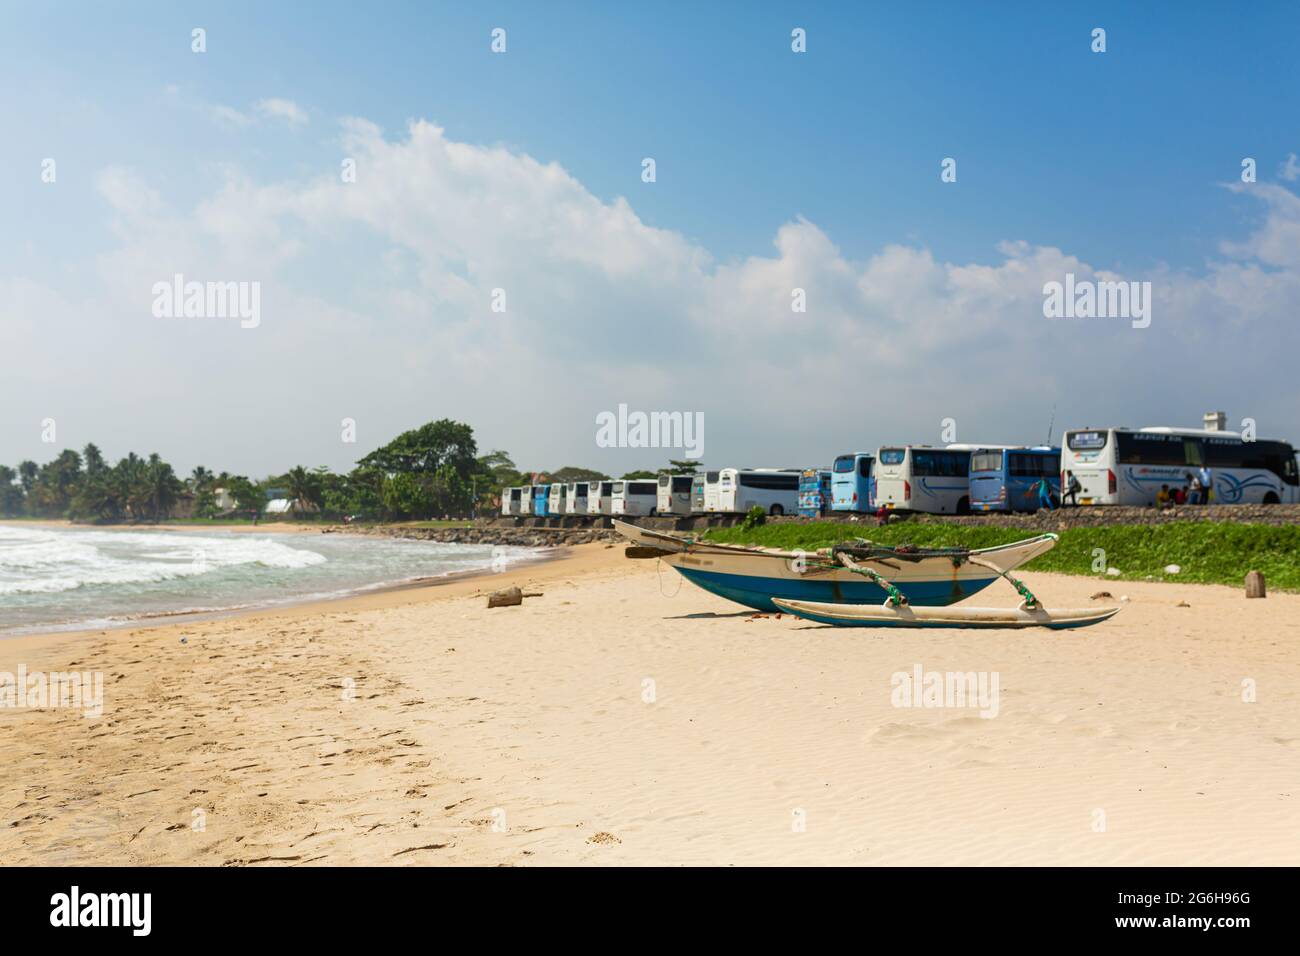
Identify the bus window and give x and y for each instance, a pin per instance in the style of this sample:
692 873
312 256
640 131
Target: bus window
892 456
843 464
990 461
1192 451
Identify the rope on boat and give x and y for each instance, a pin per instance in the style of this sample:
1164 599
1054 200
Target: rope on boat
1027 596
896 597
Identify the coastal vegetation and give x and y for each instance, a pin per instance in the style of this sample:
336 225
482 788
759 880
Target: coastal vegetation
1205 552
431 472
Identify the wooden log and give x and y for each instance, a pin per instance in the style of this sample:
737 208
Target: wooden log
639 552
1255 585
510 597
507 598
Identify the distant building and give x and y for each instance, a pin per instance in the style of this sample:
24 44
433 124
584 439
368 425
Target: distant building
284 506
224 500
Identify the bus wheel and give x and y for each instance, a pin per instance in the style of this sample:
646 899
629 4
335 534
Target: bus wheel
777 510
1270 499
963 506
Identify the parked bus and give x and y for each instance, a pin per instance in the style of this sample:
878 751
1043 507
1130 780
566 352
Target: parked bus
704 492
923 478
775 490
1006 479
814 492
512 501
1127 466
525 500
555 501
599 497
541 494
634 498
851 483
575 498
674 495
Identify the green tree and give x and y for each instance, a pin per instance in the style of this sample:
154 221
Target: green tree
638 475
57 483
248 496
569 474
163 487
304 488
11 494
684 466
437 464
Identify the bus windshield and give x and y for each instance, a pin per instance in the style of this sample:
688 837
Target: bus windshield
892 456
844 464
986 461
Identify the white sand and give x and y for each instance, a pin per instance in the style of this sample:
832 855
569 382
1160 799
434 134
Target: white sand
521 735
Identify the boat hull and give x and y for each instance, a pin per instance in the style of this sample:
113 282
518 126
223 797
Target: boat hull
758 591
839 615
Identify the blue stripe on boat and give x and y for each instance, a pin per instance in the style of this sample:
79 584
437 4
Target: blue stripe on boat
758 592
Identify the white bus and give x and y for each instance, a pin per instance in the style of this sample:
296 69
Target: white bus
1128 466
575 498
634 497
775 490
704 492
555 499
600 497
525 500
925 478
674 497
512 501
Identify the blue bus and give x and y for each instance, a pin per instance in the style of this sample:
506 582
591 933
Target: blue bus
814 492
1005 479
540 495
851 483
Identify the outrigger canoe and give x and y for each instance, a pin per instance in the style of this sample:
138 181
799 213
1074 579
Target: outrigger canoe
862 584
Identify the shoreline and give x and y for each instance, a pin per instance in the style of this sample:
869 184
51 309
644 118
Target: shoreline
182 618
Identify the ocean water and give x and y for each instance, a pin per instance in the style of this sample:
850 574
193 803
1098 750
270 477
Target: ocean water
70 578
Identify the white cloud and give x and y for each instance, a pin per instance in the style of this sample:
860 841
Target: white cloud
229 116
281 109
376 306
1290 170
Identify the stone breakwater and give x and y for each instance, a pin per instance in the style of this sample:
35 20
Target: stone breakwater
521 536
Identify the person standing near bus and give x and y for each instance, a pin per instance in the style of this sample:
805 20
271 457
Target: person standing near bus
1207 484
1072 489
1044 494
1193 488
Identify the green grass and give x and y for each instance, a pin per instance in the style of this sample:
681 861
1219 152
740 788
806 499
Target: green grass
1208 552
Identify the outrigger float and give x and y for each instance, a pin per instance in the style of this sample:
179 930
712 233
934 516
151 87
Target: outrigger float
844 585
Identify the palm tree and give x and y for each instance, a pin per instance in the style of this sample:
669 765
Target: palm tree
163 486
304 487
200 479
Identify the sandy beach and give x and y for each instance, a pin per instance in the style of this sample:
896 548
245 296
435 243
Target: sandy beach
626 717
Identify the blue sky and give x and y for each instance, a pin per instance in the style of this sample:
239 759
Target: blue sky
1118 159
